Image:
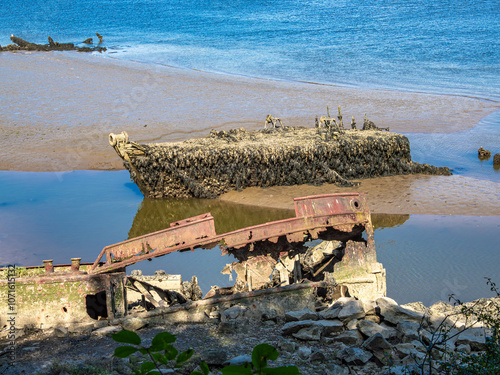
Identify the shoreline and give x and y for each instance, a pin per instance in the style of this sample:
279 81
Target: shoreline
58 108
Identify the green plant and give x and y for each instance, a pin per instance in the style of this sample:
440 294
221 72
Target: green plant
260 355
451 363
161 352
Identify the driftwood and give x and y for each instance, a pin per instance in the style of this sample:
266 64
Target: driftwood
23 45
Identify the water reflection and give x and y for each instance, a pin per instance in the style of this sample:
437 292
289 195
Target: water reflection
156 214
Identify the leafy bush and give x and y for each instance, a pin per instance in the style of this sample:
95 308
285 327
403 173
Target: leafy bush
162 353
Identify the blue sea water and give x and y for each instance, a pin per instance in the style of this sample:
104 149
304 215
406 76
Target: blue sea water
445 46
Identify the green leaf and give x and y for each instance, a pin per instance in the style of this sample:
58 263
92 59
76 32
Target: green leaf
161 340
285 370
127 337
261 353
171 352
158 357
143 351
236 370
195 373
184 356
147 366
204 368
124 351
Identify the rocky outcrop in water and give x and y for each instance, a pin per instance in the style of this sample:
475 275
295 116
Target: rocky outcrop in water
23 45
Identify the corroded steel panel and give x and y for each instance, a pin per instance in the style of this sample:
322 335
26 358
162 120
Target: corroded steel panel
330 204
314 215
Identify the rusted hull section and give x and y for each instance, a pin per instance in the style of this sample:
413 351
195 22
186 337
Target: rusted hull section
314 215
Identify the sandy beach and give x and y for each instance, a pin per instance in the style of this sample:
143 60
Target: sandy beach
57 110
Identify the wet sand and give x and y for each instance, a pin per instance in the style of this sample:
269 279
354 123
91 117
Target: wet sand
415 194
57 109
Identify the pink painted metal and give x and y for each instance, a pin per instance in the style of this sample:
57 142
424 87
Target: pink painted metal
314 215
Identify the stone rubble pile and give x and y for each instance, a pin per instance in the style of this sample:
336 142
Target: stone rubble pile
366 336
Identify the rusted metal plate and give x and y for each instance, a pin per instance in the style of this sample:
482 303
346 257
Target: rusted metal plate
314 215
330 204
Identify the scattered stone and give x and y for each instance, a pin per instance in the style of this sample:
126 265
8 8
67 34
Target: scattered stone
474 337
312 333
379 346
394 313
351 337
293 327
352 310
235 312
60 332
270 314
215 357
107 330
133 324
354 356
305 314
304 352
239 360
329 327
496 161
483 153
369 329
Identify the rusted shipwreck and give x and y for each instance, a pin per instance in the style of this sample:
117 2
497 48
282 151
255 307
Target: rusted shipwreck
268 258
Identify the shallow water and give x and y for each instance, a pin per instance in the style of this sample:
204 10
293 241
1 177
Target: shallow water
444 47
458 151
75 214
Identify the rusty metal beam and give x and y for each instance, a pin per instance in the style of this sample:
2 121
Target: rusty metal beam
314 215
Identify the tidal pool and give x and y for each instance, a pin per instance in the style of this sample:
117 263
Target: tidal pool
60 215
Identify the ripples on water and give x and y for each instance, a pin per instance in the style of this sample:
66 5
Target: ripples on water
445 46
63 215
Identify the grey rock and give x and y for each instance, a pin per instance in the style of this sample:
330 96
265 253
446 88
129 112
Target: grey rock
304 314
133 324
107 330
394 313
312 333
334 369
370 307
373 318
352 310
81 329
463 348
317 356
442 308
270 314
304 352
353 324
379 346
60 331
235 312
352 337
239 360
293 327
288 346
474 337
354 356
329 327
419 346
30 349
369 328
231 326
214 357
330 313
409 331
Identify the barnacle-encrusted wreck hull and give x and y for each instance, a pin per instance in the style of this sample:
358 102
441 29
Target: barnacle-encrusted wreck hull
227 160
